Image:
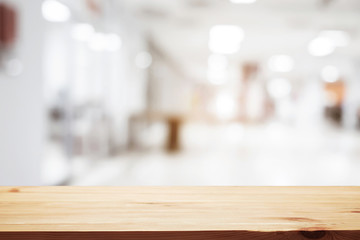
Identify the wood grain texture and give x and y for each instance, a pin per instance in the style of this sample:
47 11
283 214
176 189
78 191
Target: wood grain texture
180 213
183 235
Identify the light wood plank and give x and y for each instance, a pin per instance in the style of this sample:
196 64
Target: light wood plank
180 209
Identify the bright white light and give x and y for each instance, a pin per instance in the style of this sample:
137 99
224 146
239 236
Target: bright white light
82 32
224 106
330 73
105 42
339 38
217 61
143 60
243 1
281 63
55 11
225 39
113 42
321 46
278 88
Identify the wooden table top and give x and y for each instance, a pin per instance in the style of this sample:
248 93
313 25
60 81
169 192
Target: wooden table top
104 209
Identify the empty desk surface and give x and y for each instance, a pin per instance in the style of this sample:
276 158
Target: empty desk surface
180 213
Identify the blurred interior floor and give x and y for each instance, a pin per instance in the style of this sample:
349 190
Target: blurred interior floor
271 154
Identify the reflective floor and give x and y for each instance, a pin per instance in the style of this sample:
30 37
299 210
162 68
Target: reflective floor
271 154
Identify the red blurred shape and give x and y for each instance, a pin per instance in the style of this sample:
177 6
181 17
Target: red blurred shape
7 25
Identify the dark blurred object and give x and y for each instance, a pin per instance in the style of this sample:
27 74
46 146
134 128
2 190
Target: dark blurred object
334 114
249 71
173 141
8 26
56 114
335 93
140 122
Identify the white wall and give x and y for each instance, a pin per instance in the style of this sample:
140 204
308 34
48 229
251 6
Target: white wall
21 104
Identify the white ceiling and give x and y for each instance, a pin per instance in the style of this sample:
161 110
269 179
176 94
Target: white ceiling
181 27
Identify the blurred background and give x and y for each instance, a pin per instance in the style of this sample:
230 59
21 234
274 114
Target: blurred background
180 92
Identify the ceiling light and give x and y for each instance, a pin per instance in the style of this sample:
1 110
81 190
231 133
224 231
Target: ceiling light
321 46
55 11
339 38
281 63
225 39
